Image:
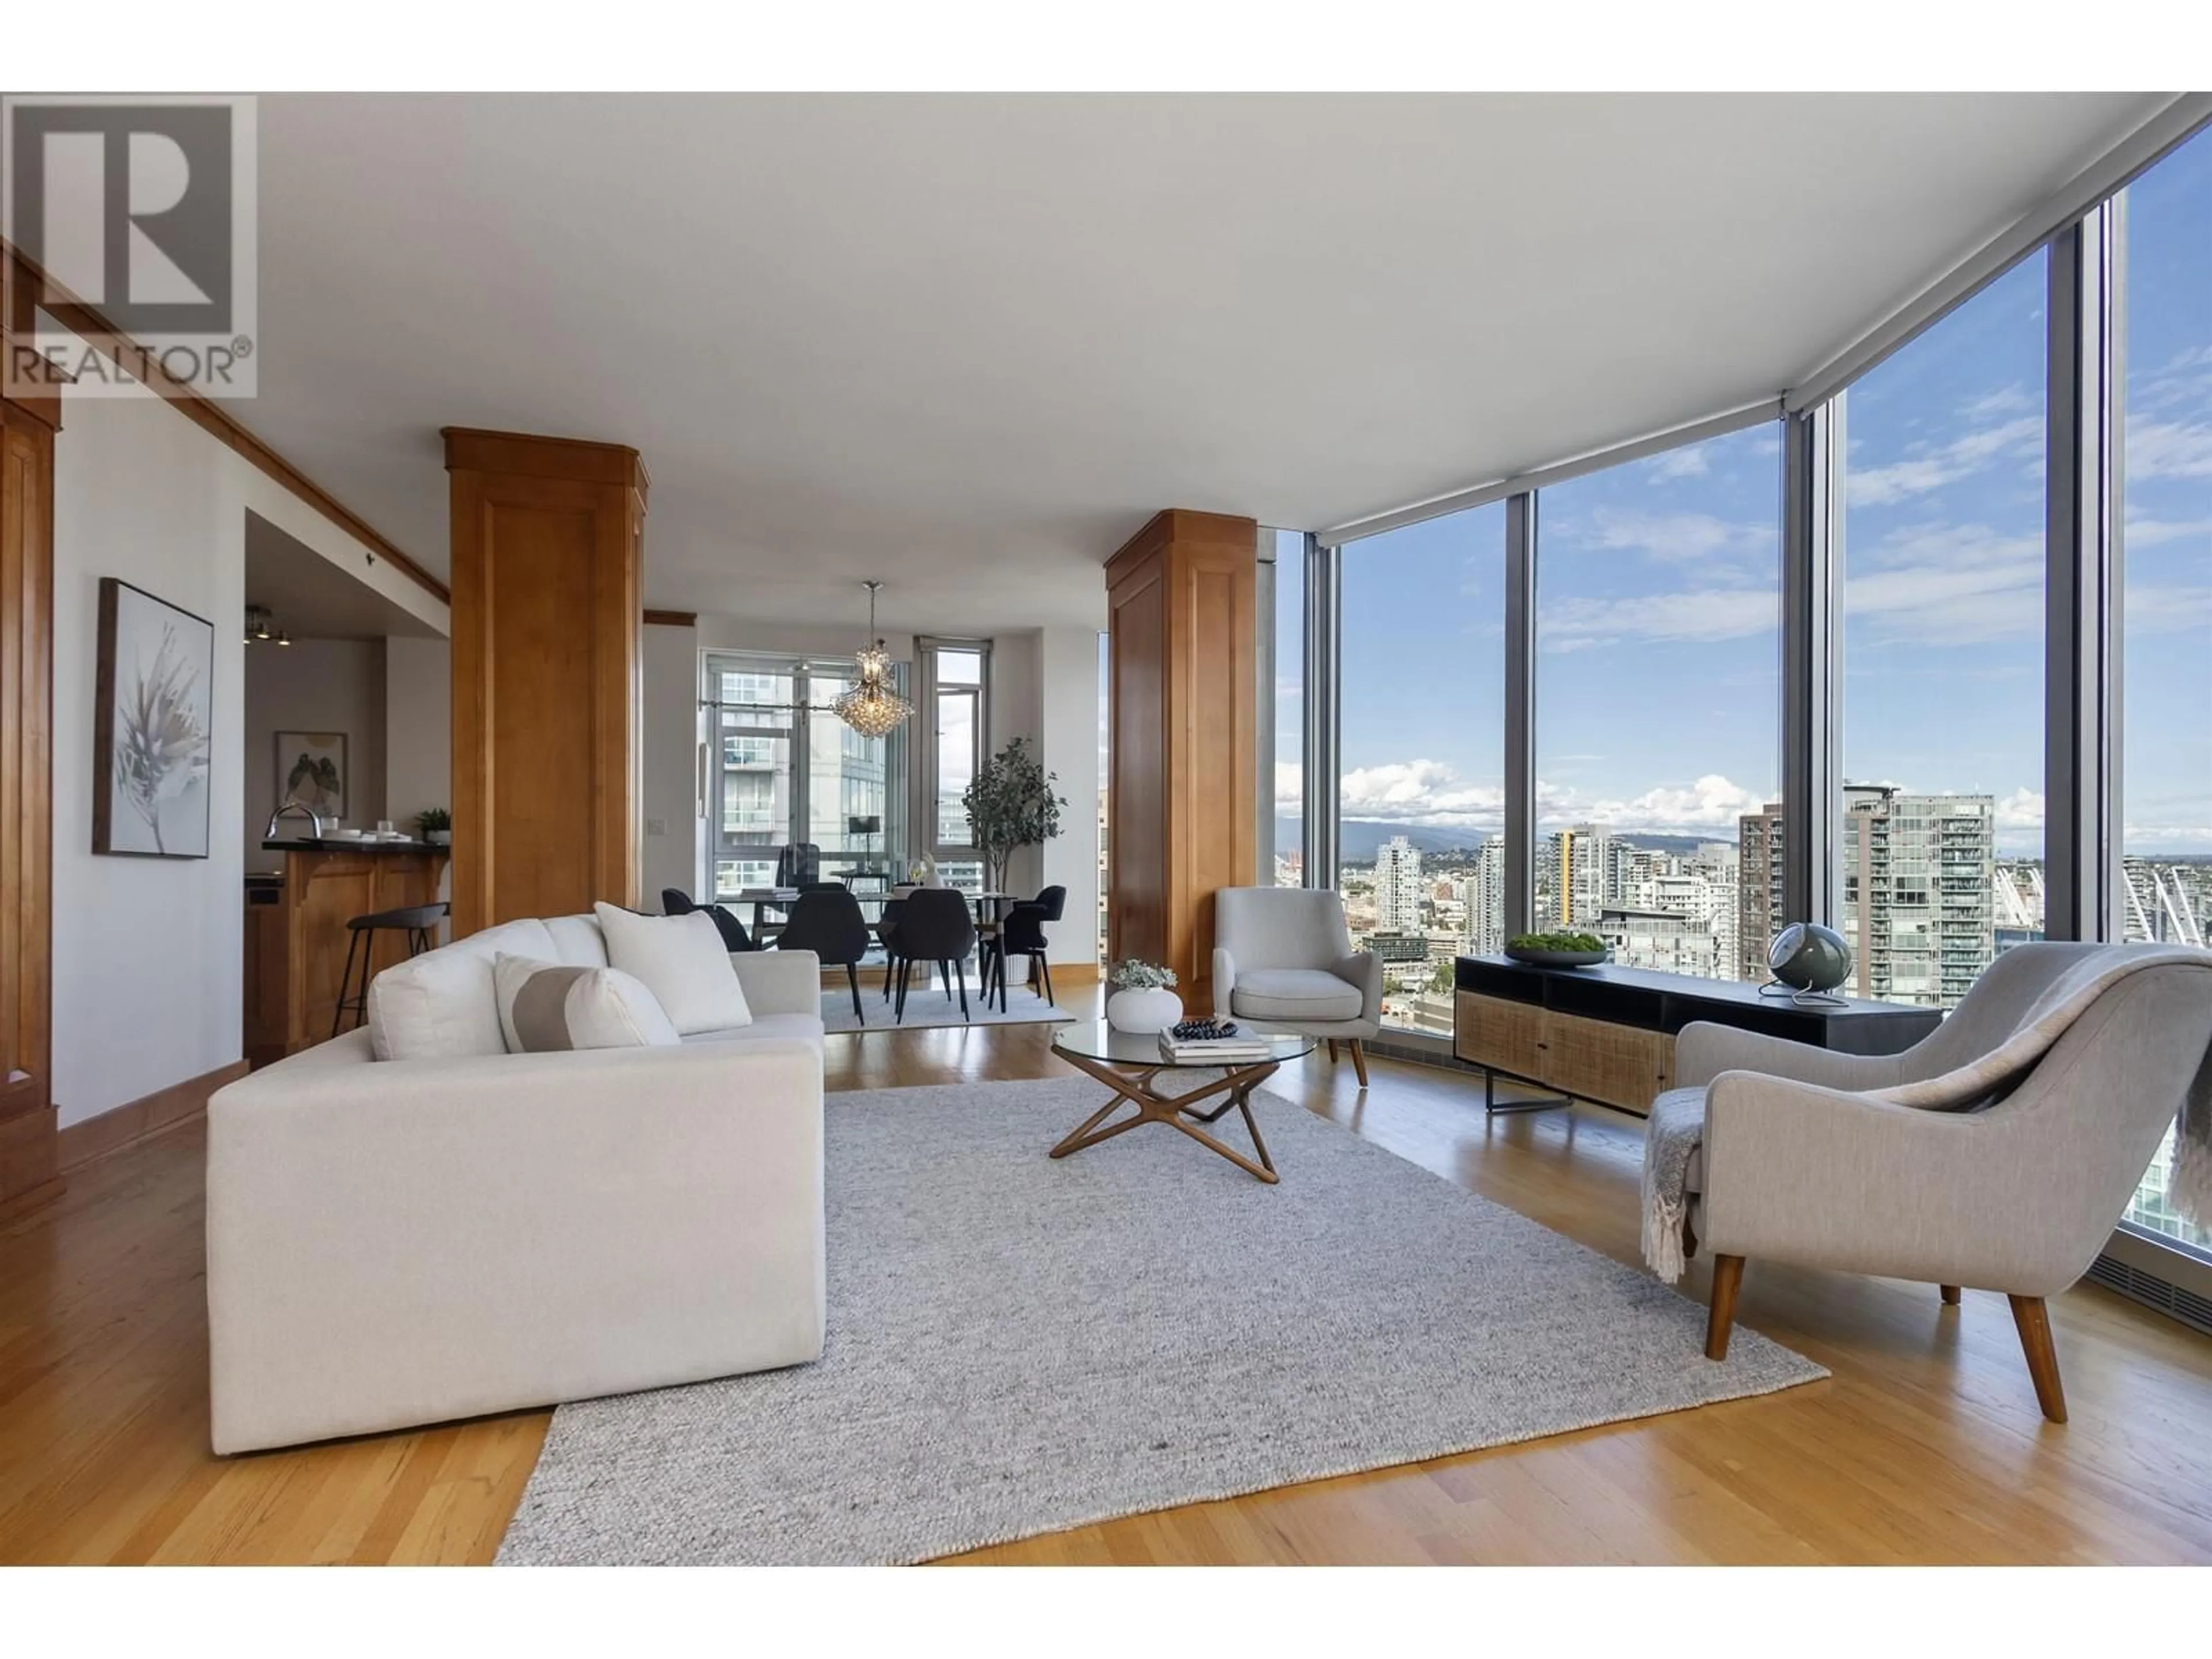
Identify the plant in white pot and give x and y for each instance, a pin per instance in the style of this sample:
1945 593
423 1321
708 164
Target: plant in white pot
1144 1000
435 825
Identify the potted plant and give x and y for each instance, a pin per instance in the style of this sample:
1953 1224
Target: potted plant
435 825
1010 805
1144 1000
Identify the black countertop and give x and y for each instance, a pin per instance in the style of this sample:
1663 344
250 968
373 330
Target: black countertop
341 844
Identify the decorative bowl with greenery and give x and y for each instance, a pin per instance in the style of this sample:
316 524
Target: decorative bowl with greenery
1561 949
435 825
1144 1000
1134 975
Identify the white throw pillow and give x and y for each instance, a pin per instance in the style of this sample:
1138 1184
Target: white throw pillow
547 1006
684 962
441 1006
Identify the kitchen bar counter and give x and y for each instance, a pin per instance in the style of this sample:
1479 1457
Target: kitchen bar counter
296 935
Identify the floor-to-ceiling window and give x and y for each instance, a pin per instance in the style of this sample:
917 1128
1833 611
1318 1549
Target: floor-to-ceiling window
1421 790
955 698
1942 623
1287 868
2166 645
786 772
1658 740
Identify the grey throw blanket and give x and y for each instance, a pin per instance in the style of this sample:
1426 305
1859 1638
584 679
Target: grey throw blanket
1676 1129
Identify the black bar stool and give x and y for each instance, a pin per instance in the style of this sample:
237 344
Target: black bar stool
416 920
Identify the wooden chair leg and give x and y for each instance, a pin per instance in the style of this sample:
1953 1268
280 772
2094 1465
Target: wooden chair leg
1950 1295
2034 1321
1332 1051
1728 1279
1359 1060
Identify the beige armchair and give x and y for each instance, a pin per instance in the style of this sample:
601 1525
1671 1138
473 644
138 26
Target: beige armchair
2018 1194
1283 957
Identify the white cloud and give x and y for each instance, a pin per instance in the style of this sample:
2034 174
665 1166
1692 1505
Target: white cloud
1290 784
2166 608
1690 463
2020 810
2156 533
2169 449
1946 584
1708 614
1932 466
1710 803
1693 538
1419 792
1430 793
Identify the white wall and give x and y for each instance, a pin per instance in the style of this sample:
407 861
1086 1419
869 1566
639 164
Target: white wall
1044 687
1069 719
418 727
672 841
312 685
148 952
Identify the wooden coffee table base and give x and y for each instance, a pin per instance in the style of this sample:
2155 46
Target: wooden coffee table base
1135 1087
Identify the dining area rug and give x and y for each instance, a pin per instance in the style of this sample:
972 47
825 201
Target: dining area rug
1019 1345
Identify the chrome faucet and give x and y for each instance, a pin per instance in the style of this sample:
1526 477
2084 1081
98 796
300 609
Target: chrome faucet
313 817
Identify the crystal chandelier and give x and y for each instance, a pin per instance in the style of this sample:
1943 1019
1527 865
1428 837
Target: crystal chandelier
872 708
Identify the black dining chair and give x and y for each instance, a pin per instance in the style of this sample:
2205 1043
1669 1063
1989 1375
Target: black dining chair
419 924
887 936
675 902
827 921
798 863
934 926
1021 934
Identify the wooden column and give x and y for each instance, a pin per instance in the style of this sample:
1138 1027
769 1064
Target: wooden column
548 550
29 418
1181 597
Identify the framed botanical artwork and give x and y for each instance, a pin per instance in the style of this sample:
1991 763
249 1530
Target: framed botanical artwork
152 745
310 771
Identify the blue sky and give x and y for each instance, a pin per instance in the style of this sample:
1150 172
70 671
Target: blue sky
1658 594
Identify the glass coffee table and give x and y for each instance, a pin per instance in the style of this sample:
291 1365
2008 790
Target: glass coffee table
1130 1065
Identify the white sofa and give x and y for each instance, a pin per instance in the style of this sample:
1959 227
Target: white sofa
394 1243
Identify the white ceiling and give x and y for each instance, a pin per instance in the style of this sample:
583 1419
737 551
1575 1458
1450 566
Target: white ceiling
968 343
311 598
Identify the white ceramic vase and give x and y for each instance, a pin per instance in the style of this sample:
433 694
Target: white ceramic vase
1143 1012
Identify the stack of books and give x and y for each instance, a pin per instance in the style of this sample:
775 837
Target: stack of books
1238 1050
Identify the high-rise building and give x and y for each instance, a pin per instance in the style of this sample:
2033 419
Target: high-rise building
1398 887
1758 908
1486 899
1585 868
1667 940
1918 875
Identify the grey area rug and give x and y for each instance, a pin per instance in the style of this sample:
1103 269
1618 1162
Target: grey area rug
935 1007
1018 1345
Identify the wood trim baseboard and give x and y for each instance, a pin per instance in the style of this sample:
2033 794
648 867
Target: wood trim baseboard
141 1119
96 331
671 619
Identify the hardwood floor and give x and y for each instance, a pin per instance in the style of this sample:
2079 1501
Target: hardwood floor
1926 1446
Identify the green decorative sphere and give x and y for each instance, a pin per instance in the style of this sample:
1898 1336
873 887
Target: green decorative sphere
1809 957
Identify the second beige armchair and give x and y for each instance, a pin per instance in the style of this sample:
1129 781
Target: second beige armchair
1283 957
